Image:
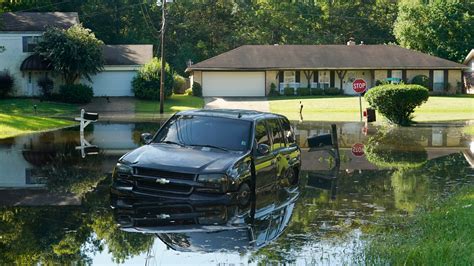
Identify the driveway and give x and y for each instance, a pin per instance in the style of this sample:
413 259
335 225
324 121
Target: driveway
257 104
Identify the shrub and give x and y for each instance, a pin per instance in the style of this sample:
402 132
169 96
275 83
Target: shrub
146 84
188 91
421 80
273 90
6 84
197 89
397 102
46 85
317 91
303 91
289 91
76 93
178 84
332 91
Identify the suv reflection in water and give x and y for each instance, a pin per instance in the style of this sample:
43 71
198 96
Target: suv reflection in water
211 155
208 227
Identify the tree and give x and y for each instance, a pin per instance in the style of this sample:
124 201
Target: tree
73 53
146 84
440 28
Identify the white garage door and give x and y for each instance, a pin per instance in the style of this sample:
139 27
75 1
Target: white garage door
113 83
243 84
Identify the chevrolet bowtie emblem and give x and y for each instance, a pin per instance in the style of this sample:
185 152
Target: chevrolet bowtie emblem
162 181
163 216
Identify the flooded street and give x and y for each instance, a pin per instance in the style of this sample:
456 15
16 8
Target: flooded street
55 204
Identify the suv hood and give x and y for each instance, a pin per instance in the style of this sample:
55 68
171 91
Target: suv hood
174 158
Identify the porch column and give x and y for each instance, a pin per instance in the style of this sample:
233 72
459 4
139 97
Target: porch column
404 76
446 78
389 73
431 77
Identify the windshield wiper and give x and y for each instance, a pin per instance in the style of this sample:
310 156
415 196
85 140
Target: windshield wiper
209 146
172 142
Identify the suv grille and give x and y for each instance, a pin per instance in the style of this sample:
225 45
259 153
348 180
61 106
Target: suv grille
164 174
152 186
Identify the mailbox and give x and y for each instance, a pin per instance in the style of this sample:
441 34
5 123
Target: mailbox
369 114
91 116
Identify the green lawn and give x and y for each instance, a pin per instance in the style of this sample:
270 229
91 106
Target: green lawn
17 116
173 104
346 108
443 235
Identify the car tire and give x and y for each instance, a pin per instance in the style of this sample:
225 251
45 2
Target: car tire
243 195
292 176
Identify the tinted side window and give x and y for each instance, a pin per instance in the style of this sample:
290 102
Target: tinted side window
290 137
261 135
277 136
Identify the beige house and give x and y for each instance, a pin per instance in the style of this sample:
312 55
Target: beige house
250 70
469 72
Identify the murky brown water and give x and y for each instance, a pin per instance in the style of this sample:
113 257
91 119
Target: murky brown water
55 204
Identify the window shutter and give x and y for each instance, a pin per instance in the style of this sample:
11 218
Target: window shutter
280 76
25 44
445 79
404 75
431 77
389 73
297 76
332 79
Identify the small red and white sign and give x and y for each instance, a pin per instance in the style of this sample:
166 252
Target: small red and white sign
358 149
359 85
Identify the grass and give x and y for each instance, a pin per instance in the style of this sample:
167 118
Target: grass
346 108
173 104
17 116
443 235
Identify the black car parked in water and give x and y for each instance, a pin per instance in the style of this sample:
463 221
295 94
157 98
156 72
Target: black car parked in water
211 155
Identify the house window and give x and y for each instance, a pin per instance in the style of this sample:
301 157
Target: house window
289 77
29 43
397 74
324 79
438 80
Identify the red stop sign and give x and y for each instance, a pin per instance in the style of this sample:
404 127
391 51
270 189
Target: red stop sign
359 85
358 149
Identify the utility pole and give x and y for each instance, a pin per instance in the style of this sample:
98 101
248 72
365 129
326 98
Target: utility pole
163 62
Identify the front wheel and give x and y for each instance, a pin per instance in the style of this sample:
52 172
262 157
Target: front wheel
243 195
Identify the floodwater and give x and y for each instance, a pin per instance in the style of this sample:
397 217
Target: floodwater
55 205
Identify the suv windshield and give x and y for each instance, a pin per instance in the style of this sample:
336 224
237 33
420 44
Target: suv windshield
217 132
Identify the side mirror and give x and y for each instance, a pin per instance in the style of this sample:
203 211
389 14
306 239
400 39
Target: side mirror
263 149
146 137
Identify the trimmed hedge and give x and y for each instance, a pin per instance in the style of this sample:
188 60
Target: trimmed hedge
76 93
197 89
46 85
421 80
289 91
397 102
317 91
303 91
273 90
332 91
178 84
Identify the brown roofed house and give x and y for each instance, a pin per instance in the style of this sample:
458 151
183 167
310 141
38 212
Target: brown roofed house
250 70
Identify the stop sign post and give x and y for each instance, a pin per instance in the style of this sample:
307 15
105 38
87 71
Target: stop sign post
359 86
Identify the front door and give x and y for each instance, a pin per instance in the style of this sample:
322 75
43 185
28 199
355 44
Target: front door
265 170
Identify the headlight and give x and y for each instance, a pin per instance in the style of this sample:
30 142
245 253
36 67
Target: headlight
217 183
122 170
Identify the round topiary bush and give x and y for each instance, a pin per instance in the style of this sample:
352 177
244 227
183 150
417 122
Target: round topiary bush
76 93
197 89
6 84
178 84
397 102
146 84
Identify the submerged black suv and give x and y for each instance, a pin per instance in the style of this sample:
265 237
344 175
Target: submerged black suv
211 155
